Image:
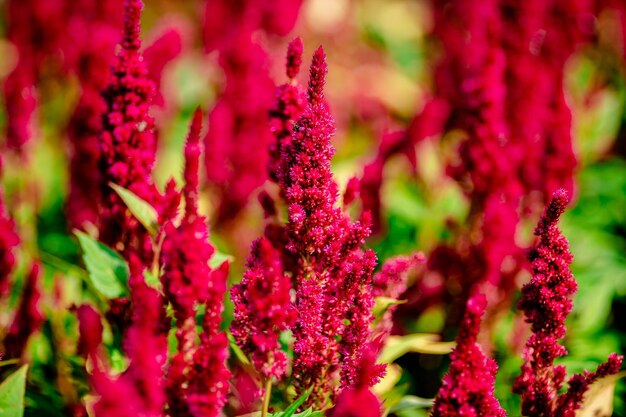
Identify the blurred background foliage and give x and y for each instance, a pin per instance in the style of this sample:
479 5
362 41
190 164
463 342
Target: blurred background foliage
380 55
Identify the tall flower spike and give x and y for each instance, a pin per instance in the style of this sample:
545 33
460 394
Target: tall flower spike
546 302
263 310
294 57
197 376
467 389
127 142
317 79
333 275
289 103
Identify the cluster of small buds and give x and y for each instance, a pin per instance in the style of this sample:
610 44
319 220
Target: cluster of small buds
188 283
127 142
546 302
468 388
263 310
391 282
333 276
289 103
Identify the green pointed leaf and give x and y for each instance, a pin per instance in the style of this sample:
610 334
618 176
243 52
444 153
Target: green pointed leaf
411 402
293 407
397 346
152 281
141 209
108 271
12 392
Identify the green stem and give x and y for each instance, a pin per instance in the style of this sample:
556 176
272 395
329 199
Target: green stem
266 397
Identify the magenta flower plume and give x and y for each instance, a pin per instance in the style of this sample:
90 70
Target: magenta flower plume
263 309
9 240
98 27
546 302
289 103
37 29
238 136
467 389
333 275
197 378
28 318
127 143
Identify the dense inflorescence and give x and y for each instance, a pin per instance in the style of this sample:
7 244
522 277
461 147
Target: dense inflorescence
189 283
238 132
468 388
546 302
98 25
238 135
127 143
263 310
333 275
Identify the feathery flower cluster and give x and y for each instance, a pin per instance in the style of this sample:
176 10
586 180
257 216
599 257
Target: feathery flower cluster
546 302
263 309
289 103
467 389
238 136
98 25
333 276
197 377
28 318
127 143
238 126
9 240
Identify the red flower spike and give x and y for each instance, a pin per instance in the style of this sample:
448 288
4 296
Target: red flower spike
546 302
127 142
263 310
467 389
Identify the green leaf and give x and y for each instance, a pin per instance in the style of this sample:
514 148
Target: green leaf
141 209
397 346
108 271
152 281
291 410
410 402
12 392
